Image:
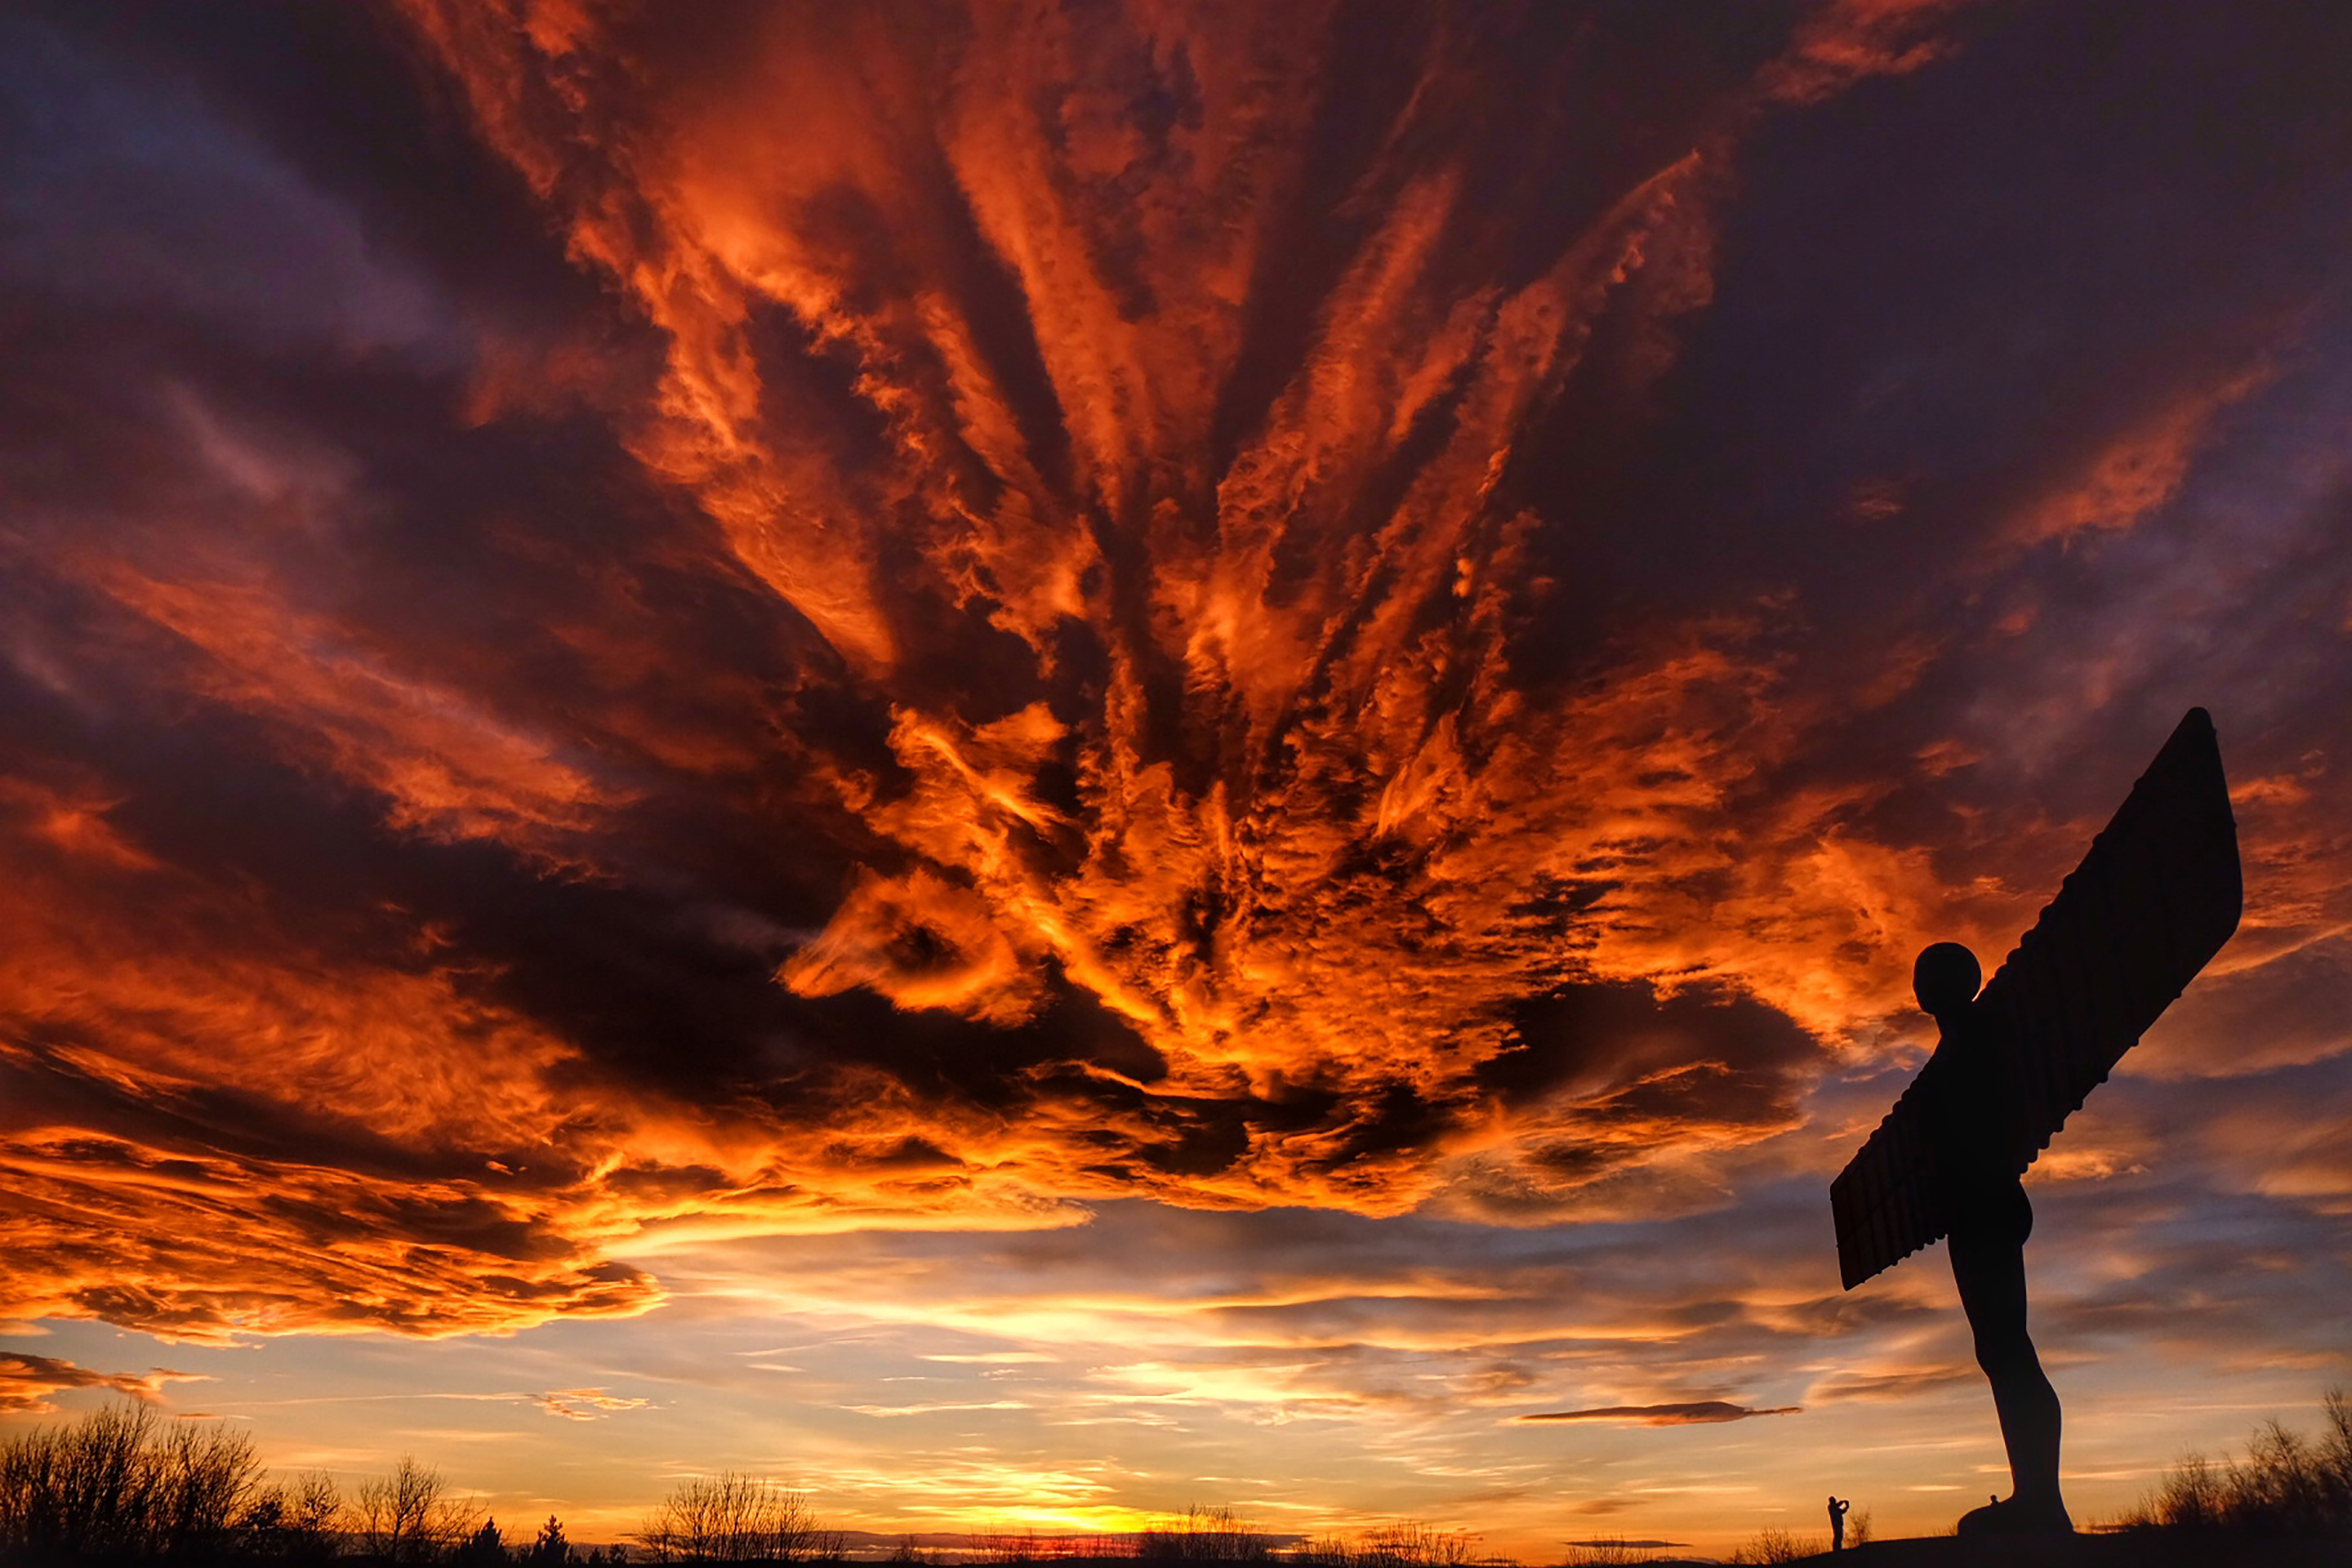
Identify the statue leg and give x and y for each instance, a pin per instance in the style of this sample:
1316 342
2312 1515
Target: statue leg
1989 1265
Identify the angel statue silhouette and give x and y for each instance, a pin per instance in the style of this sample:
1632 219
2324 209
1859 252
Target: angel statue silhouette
2155 896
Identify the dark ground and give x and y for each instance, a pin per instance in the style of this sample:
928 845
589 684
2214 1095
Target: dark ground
2122 1549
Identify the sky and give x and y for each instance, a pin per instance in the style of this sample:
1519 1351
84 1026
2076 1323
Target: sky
1030 763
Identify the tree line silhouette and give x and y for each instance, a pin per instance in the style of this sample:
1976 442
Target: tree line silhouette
124 1485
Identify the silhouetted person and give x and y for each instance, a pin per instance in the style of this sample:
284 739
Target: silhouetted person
1990 1219
1837 1524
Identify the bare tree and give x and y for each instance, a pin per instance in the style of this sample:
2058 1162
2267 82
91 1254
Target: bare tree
314 1514
205 1477
1324 1551
292 1521
29 1494
733 1518
90 1486
2336 1450
409 1515
1025 1545
123 1483
1003 1545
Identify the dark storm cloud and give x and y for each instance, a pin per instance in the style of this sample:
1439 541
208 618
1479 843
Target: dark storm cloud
1593 1033
124 192
1242 612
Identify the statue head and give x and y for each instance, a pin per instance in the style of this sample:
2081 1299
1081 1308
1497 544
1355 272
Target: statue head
1945 978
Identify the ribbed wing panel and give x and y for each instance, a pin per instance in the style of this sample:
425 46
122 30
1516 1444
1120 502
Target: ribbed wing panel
2155 898
1884 1201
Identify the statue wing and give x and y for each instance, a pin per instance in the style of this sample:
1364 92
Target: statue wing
2155 898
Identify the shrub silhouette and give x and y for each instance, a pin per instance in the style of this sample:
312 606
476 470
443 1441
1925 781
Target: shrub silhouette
1405 1543
1409 1543
1205 1535
1774 1545
2287 1483
1004 1546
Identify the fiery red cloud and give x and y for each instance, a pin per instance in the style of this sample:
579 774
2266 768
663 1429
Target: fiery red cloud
1026 607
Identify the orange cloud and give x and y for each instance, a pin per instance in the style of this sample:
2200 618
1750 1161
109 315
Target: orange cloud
1333 606
2139 470
446 767
1850 40
26 1382
73 822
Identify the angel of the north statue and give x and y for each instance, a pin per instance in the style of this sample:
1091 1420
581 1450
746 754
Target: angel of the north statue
2155 898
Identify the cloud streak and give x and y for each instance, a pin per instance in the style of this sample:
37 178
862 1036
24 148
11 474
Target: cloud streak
1699 1413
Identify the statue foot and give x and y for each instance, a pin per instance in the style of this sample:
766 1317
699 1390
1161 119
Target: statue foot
2015 1516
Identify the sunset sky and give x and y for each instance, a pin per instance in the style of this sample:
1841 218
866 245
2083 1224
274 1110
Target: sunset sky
1035 763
